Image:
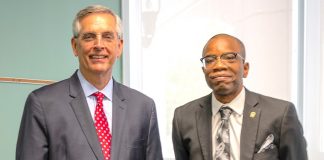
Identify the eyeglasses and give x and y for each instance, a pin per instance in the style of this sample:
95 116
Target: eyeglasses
90 37
210 60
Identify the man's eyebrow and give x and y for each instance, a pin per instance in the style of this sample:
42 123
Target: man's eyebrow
87 33
105 32
108 32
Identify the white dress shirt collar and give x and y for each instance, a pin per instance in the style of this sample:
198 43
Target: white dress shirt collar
89 89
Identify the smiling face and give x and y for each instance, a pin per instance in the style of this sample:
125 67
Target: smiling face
97 45
225 78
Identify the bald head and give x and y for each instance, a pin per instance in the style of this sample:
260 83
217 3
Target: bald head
225 40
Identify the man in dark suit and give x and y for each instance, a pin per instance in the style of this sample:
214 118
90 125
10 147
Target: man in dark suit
89 116
233 122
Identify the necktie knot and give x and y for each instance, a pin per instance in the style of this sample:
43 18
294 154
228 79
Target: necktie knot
99 96
225 112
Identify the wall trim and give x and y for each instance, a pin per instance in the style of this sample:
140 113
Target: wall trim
25 80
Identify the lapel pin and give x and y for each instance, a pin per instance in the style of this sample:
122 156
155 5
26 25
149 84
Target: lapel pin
252 114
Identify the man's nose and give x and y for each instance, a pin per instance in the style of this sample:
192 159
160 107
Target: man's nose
218 64
98 43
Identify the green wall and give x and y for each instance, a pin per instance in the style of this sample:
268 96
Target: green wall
35 44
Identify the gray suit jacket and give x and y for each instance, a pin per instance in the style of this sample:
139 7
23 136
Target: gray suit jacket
192 138
57 125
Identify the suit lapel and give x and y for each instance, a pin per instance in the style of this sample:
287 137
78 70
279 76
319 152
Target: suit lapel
82 113
203 117
119 116
251 117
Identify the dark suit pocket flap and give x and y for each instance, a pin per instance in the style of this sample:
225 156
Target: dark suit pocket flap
136 143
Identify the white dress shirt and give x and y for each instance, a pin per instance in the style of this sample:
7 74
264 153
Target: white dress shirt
235 123
89 89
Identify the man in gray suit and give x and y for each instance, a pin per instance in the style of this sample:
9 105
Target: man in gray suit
254 126
61 120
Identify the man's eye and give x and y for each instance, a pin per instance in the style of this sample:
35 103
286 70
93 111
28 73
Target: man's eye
108 36
229 57
88 37
209 60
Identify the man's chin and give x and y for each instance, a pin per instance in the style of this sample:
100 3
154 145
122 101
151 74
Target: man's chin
99 69
222 90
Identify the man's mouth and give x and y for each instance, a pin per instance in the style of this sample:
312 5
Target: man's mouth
220 77
98 56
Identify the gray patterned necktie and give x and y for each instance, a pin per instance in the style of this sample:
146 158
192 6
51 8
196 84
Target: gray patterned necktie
223 137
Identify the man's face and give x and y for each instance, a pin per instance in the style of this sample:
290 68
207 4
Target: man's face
225 78
97 46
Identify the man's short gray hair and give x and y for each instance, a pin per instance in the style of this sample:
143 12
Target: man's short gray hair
96 9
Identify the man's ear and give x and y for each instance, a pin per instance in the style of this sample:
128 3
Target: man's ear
120 46
74 46
203 69
246 67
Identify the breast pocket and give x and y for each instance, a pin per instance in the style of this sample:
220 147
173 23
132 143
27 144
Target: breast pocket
136 143
270 154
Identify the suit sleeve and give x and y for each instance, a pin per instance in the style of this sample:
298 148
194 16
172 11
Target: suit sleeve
32 142
178 147
153 149
292 141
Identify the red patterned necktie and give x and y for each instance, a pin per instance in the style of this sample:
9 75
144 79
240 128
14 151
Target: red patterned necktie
102 126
